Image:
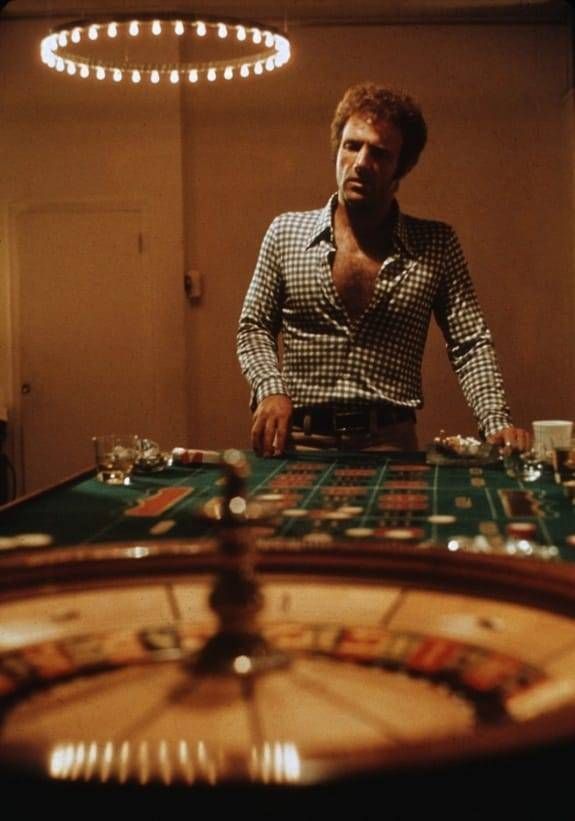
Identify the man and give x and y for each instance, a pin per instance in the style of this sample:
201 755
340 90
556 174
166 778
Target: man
351 287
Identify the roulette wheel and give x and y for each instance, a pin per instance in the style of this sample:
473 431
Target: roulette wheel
169 671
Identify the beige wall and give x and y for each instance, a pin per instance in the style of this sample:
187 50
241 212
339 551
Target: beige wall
63 140
497 167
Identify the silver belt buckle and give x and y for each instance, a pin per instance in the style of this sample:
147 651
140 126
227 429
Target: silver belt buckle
346 423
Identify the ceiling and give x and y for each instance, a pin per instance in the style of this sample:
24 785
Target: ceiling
307 12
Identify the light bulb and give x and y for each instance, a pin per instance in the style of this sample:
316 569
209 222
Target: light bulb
270 64
60 64
269 39
113 30
155 76
222 30
134 28
257 36
156 27
93 32
245 70
63 39
211 75
228 73
71 68
179 27
117 75
241 33
76 35
84 71
45 51
201 29
258 69
193 76
136 76
283 50
100 73
174 76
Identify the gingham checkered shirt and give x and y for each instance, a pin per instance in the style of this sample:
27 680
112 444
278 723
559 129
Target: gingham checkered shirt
377 358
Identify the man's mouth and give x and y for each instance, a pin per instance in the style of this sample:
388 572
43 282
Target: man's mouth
354 182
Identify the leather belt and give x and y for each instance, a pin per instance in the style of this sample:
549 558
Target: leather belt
337 420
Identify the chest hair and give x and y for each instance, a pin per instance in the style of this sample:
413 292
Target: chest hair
355 272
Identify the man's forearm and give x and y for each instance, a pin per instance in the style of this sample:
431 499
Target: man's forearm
482 385
258 357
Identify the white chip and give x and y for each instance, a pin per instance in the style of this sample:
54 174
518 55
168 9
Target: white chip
400 533
351 510
441 519
294 512
318 539
33 539
359 532
336 515
269 497
6 543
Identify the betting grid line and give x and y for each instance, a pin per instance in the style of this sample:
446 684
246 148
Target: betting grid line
434 493
268 477
545 530
373 495
491 503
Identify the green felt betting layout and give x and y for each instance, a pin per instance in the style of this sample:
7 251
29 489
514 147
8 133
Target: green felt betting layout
311 501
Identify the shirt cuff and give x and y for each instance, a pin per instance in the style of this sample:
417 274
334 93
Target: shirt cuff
268 387
493 424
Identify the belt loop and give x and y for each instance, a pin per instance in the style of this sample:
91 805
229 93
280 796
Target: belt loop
307 424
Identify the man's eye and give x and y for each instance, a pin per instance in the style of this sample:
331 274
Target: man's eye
351 145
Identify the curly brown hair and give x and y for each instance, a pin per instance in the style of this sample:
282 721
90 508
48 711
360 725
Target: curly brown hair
383 104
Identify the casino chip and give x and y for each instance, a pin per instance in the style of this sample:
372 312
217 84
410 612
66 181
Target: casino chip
333 515
441 519
318 539
401 533
294 513
33 540
359 532
7 543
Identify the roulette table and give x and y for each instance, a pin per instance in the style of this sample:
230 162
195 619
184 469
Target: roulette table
346 625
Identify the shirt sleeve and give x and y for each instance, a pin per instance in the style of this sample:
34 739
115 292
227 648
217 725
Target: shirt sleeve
260 323
469 342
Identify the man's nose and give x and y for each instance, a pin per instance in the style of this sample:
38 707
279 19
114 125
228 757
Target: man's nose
362 158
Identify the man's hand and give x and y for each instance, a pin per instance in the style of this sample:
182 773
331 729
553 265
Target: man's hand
271 425
512 437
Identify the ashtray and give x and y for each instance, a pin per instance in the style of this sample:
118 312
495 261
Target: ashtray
150 458
483 454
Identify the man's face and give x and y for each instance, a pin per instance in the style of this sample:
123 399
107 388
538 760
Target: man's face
366 163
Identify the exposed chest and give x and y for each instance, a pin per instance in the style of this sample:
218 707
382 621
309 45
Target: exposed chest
355 273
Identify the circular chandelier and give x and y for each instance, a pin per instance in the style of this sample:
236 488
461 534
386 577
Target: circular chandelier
130 47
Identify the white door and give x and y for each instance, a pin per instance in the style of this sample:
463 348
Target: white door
84 320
